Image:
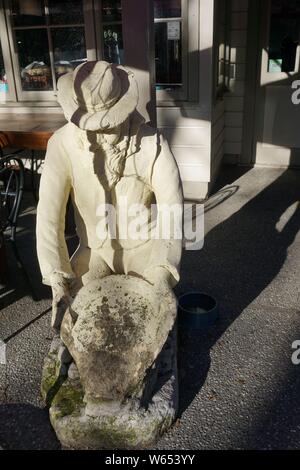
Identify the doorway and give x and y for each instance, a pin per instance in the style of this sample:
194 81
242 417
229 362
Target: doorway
275 131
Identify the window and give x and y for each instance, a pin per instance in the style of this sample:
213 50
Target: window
3 79
222 47
168 44
284 36
7 89
48 38
176 49
112 31
43 39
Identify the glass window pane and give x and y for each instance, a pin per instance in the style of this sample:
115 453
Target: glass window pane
3 79
69 49
66 11
28 12
284 35
113 43
168 56
34 60
167 8
168 44
112 31
111 10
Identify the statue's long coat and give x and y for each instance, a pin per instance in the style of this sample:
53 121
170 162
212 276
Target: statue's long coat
150 175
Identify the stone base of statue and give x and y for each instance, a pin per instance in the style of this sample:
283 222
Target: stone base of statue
117 389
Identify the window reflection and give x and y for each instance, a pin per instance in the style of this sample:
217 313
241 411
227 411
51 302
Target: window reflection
28 12
34 59
66 11
168 55
168 39
37 21
69 49
113 43
168 44
3 78
284 35
112 31
167 8
111 10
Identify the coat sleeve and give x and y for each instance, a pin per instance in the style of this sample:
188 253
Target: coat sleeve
54 192
166 184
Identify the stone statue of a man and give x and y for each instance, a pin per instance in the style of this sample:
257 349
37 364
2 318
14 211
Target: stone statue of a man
105 152
112 301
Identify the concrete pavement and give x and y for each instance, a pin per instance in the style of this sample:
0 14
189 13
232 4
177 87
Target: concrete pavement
238 386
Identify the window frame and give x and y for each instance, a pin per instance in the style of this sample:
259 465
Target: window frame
34 96
94 44
99 30
163 95
190 36
7 59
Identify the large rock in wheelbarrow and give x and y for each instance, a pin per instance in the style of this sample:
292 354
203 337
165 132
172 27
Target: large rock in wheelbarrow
118 334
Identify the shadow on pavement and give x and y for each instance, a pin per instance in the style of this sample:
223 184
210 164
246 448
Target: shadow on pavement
26 427
240 258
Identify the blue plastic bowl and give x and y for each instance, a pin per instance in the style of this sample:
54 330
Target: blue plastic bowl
197 310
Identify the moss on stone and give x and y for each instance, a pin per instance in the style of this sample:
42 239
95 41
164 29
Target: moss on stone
111 437
95 433
68 400
106 432
49 376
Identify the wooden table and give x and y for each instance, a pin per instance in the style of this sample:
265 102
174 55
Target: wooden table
25 132
28 131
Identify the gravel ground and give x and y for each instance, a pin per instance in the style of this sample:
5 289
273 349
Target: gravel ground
238 386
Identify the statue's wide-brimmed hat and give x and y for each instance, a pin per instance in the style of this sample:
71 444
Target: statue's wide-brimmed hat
98 95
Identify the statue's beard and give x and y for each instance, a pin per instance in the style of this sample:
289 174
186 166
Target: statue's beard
113 162
110 150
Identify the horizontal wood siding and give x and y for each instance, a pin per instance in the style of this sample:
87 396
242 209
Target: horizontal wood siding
189 137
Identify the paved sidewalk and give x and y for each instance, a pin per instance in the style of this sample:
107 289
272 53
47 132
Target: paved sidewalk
238 386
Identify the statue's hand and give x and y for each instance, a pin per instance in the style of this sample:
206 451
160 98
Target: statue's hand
61 299
160 278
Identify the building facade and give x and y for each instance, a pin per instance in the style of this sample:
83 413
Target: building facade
216 76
